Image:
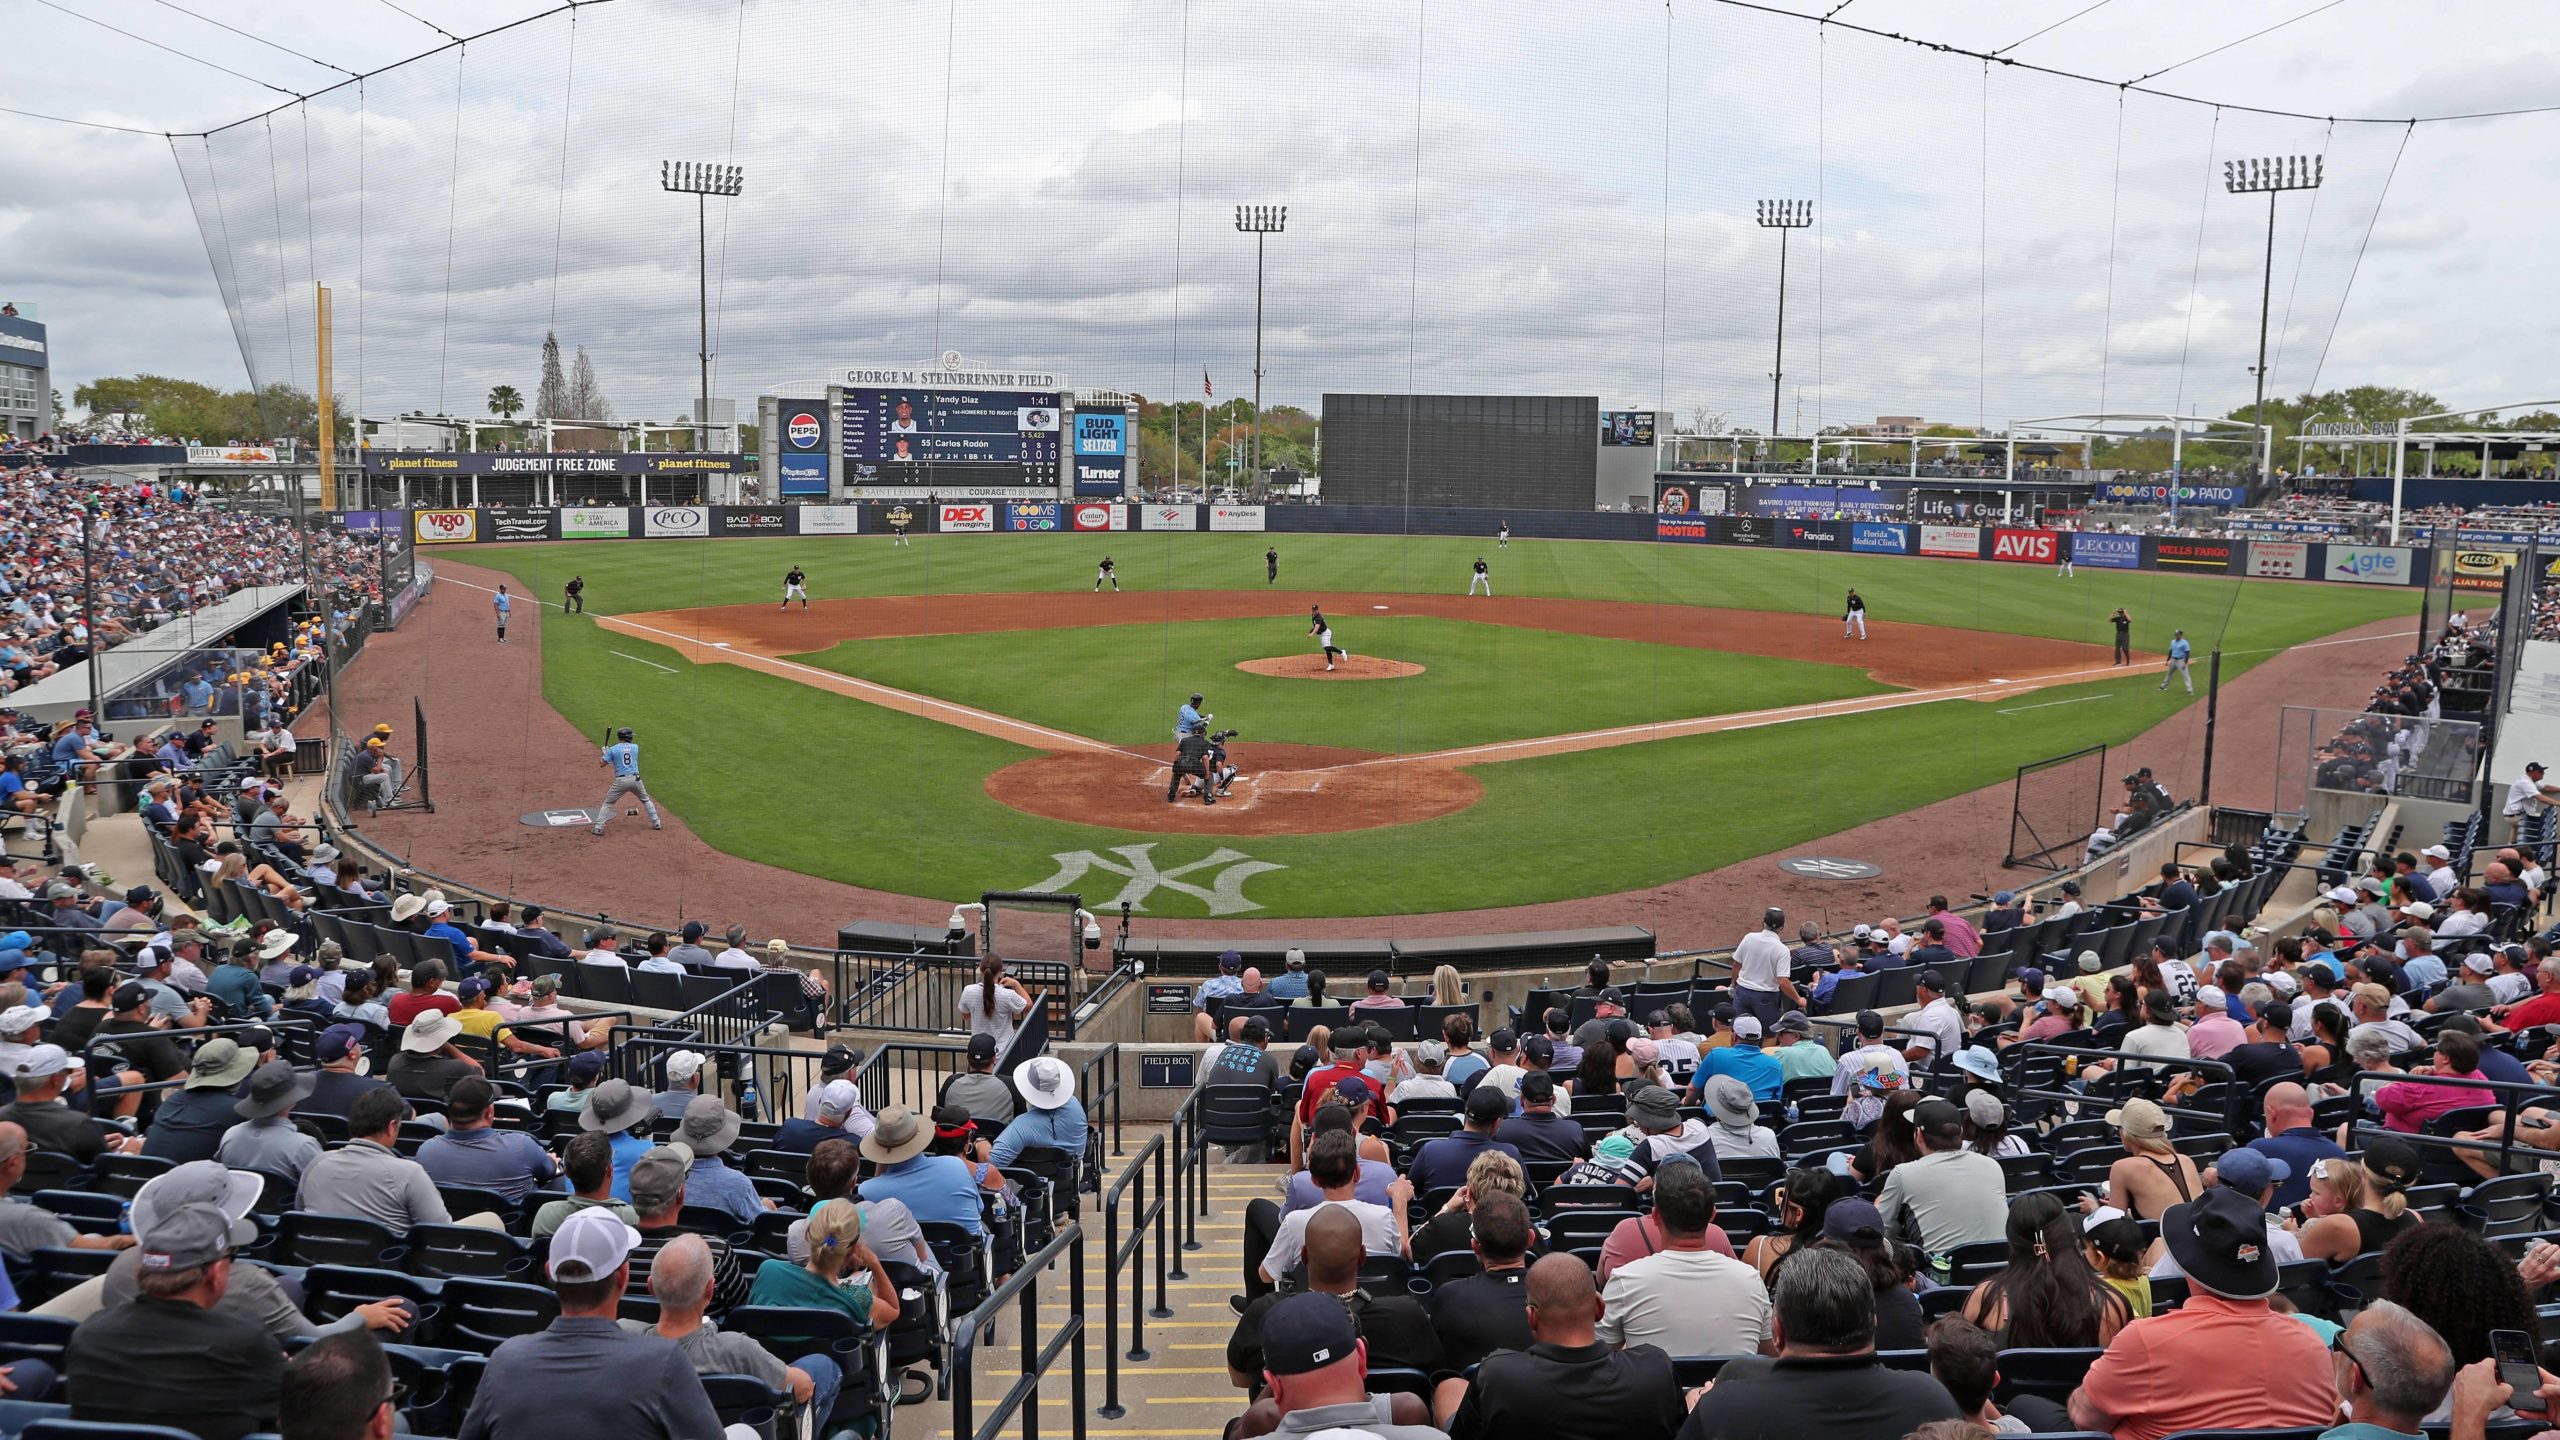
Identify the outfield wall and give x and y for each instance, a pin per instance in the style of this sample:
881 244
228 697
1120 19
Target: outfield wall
2289 559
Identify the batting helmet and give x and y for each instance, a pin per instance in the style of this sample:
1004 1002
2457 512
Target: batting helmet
624 732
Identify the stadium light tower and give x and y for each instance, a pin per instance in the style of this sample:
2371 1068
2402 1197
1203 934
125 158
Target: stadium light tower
701 181
1782 216
1260 222
2273 177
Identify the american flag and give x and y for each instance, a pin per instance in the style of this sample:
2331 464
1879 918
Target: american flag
1204 382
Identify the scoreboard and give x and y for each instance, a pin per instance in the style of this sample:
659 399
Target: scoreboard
915 434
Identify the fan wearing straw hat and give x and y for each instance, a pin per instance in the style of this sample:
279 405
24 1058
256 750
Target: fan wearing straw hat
266 1139
428 1066
1054 1119
936 1189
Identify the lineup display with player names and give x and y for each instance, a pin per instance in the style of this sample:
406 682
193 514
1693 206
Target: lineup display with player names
888 430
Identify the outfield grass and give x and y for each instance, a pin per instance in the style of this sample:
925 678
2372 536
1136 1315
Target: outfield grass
1483 683
778 772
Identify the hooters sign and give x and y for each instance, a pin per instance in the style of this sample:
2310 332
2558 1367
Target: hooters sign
968 517
2031 547
446 527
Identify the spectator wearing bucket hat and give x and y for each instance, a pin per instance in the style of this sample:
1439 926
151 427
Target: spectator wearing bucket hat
2224 1358
1799 1055
1053 1119
614 1107
708 1129
639 1386
172 1356
934 1188
190 1123
428 1065
1737 1132
1660 1131
266 1139
254 1293
2256 1174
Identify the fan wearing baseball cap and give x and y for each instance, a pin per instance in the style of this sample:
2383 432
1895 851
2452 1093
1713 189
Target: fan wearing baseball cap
626 1386
169 1357
1956 1195
2223 1359
1317 1368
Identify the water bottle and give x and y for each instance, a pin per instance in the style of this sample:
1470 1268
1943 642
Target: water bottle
747 1097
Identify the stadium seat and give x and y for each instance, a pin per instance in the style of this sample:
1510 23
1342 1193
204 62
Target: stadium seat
306 1237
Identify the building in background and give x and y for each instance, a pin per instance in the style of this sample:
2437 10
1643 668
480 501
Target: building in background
26 377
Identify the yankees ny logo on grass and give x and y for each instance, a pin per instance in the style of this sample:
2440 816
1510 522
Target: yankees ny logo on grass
1224 896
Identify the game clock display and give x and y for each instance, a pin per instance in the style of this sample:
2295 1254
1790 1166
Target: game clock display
925 426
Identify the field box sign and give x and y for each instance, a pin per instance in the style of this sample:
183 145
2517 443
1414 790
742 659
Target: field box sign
1165 1072
1235 517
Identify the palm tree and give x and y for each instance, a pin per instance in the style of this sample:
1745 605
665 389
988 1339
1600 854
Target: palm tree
505 403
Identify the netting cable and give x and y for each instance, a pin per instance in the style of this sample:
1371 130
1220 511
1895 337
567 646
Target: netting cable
284 296
452 209
173 50
245 35
2347 290
2195 274
560 196
2049 29
2310 215
2243 40
729 152
2107 320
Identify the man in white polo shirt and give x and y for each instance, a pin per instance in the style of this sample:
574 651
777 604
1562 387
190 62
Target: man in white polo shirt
1763 987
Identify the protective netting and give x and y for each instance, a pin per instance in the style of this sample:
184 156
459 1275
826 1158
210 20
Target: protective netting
1493 197
2055 807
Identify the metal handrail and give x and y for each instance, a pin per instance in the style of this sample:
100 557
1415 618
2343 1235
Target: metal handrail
1037 1359
1093 1103
2512 1097
1131 1255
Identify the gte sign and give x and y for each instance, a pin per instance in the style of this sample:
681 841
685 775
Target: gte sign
802 431
968 517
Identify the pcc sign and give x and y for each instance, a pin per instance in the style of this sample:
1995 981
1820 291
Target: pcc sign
675 522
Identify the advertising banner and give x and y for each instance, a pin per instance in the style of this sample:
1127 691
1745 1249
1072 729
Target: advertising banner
446 527
1038 515
2279 559
1880 539
1096 517
1102 477
1693 529
804 426
1838 502
1675 497
2106 552
1168 517
803 474
974 515
2482 569
239 455
2366 565
506 462
1745 530
1960 541
517 522
675 522
2143 492
2171 554
361 521
1812 534
829 519
1235 517
2025 547
609 522
1102 434
748 519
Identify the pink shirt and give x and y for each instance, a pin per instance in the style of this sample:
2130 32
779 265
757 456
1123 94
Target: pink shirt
2409 1104
2214 1036
2213 1364
1962 938
1637 1238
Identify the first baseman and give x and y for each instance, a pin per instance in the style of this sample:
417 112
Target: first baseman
501 604
2179 652
624 759
1853 616
1483 579
795 586
1106 572
1322 629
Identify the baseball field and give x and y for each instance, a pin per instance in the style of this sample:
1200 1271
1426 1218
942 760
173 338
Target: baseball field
967 714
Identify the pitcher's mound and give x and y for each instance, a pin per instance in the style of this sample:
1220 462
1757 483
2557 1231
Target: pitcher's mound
1286 790
1349 667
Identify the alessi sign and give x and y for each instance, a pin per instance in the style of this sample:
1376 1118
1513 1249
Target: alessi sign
2024 546
446 527
1092 517
1960 541
968 517
2482 569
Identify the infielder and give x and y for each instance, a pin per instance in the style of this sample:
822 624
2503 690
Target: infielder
1483 579
1271 566
573 596
1853 617
795 586
1106 572
501 604
2124 636
624 758
2179 651
1322 629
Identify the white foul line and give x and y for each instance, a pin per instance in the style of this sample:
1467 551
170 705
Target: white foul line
2049 704
652 664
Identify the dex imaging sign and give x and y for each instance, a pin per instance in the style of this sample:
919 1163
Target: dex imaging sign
968 517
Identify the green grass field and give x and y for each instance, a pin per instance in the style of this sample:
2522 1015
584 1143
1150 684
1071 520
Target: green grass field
888 800
1472 691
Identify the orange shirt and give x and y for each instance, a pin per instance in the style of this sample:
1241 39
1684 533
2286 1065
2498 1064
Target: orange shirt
2213 1364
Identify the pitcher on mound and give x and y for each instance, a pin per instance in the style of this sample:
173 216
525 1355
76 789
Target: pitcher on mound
1322 629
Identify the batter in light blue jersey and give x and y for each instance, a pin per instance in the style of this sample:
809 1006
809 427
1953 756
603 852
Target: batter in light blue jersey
2179 653
623 758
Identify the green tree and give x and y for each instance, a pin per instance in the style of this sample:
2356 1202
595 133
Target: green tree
551 392
506 402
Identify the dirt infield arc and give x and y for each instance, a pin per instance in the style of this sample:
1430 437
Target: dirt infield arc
1299 790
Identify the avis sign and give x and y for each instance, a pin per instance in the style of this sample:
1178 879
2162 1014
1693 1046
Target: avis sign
1224 870
2026 547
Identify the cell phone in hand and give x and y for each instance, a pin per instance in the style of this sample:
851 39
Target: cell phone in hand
2520 1366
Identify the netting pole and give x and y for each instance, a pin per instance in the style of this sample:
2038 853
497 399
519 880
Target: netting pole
2212 709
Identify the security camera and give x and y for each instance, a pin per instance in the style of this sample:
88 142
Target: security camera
959 925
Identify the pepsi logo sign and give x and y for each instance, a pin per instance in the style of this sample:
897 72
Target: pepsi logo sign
803 430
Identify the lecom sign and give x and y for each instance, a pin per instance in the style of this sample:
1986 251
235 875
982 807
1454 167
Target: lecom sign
968 517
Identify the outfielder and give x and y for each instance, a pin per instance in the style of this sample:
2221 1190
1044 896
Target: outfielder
2179 651
2062 553
1502 537
1322 629
501 604
624 758
1106 572
795 586
1271 566
573 596
1483 579
1853 617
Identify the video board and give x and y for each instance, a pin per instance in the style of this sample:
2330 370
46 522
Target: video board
900 433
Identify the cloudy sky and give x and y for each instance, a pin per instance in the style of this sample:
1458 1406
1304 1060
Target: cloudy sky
1508 195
